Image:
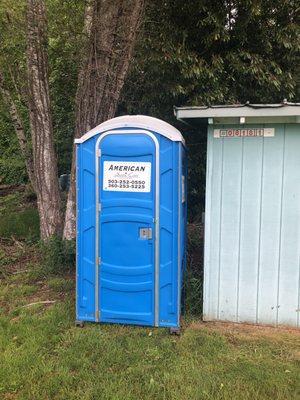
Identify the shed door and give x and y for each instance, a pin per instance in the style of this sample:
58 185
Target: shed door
126 228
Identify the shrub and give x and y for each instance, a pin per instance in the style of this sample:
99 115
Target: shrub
23 225
12 171
193 279
58 256
18 215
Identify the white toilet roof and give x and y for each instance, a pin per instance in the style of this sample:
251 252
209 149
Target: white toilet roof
135 121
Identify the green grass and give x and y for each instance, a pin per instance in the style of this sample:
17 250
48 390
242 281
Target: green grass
43 356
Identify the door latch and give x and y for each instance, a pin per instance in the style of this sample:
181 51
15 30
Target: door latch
145 233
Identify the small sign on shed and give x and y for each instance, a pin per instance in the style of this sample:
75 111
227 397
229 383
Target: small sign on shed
243 132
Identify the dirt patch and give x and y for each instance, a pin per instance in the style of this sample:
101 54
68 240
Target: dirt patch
249 330
15 256
11 189
21 282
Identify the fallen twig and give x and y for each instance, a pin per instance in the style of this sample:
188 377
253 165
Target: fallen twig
21 271
17 242
39 302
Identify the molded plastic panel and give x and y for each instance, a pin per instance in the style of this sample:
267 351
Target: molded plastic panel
85 301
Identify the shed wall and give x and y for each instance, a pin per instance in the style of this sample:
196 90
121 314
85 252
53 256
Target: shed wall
252 233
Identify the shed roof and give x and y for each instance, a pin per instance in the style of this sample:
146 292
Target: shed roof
240 113
135 121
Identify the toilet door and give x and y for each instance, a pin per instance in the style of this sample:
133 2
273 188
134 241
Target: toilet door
126 228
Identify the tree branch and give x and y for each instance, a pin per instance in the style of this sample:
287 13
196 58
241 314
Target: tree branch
20 132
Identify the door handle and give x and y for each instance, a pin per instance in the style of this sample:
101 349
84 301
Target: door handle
145 233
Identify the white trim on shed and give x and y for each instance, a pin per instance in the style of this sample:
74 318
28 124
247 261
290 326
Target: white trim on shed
135 121
240 113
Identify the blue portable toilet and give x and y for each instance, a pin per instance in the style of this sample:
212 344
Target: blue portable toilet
131 222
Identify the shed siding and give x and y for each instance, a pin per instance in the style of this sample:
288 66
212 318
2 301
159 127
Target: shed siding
252 234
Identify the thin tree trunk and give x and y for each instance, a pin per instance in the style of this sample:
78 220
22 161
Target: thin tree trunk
44 158
108 51
20 132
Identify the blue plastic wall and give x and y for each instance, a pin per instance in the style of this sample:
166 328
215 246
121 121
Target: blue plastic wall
171 248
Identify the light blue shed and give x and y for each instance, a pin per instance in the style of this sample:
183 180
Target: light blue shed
252 212
131 222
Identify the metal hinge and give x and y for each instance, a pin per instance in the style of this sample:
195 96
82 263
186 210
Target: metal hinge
98 152
99 207
98 260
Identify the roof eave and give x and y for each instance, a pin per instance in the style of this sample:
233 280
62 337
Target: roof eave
235 114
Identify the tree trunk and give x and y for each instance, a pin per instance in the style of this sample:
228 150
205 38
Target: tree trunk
44 158
106 58
20 132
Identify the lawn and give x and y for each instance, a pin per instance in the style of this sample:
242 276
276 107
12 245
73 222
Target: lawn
44 356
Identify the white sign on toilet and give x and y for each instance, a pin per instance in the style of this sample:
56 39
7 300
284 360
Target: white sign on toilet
127 176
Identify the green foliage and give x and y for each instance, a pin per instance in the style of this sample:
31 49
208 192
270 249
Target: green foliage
12 171
13 45
10 203
58 256
18 218
188 53
65 21
60 285
21 225
12 166
196 144
201 52
192 296
5 260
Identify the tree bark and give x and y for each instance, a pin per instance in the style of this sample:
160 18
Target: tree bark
107 54
20 132
44 158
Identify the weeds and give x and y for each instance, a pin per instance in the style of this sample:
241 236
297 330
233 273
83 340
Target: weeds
19 217
58 256
60 285
193 279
